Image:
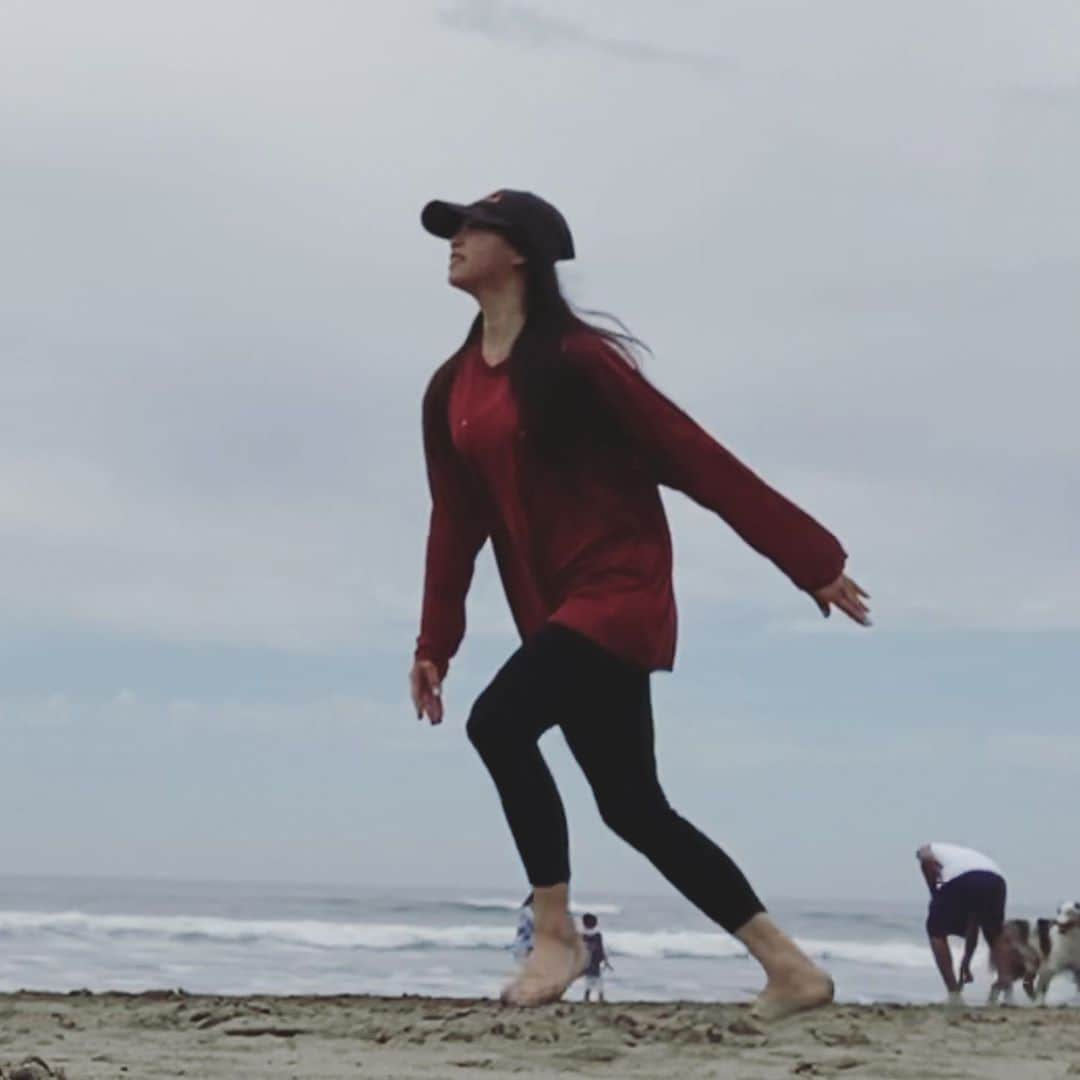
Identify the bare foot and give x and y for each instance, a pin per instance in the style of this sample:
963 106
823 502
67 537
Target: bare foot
800 988
555 962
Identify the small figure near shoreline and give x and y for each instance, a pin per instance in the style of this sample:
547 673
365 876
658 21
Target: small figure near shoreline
523 938
598 961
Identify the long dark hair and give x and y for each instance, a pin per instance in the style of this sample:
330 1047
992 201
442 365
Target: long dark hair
560 412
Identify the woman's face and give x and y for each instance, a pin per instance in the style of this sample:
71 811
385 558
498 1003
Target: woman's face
481 258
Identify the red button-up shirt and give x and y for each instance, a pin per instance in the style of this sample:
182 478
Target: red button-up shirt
594 555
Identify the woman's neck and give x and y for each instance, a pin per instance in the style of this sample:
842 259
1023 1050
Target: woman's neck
504 316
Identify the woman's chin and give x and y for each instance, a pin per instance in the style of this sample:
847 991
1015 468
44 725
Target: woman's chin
458 280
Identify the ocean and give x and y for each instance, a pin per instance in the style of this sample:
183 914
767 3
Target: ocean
62 934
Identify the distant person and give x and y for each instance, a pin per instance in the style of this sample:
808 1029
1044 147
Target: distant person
523 939
541 434
967 895
598 961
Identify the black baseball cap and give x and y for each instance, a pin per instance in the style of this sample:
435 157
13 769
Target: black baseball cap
530 223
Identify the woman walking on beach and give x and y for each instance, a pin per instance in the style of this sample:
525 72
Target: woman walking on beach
541 435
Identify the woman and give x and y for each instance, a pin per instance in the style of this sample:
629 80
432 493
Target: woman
541 435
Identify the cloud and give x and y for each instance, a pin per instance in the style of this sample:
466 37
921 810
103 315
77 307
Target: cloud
523 24
221 311
1032 752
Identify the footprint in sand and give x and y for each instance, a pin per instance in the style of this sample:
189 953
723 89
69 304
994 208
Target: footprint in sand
33 1068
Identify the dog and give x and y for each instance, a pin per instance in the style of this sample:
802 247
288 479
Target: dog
1023 960
1059 944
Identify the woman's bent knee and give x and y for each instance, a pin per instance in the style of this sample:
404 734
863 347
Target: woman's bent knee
490 728
639 824
481 725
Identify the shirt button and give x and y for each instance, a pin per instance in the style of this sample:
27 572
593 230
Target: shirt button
464 423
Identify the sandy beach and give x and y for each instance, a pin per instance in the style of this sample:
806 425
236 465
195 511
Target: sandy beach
86 1036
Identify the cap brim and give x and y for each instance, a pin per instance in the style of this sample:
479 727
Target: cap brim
442 218
445 218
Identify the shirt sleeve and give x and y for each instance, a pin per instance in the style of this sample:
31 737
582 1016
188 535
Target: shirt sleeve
456 533
685 457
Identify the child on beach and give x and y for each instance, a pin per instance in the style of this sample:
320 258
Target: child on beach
594 945
523 939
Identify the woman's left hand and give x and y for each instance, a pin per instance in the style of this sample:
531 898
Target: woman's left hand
848 596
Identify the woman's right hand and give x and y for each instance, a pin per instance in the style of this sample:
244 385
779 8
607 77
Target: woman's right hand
848 596
425 685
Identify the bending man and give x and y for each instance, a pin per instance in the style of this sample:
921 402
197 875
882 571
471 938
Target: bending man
967 894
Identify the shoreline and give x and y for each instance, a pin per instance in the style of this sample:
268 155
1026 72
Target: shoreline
169 1033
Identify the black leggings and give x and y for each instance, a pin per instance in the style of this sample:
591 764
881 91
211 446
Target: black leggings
602 705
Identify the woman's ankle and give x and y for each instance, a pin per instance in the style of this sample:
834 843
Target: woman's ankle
551 910
777 953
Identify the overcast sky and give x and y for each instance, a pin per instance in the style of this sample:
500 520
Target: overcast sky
848 232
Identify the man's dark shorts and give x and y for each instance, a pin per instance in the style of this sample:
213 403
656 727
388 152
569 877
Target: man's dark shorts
978 895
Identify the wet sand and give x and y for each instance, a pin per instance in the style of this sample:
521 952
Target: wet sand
172 1034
